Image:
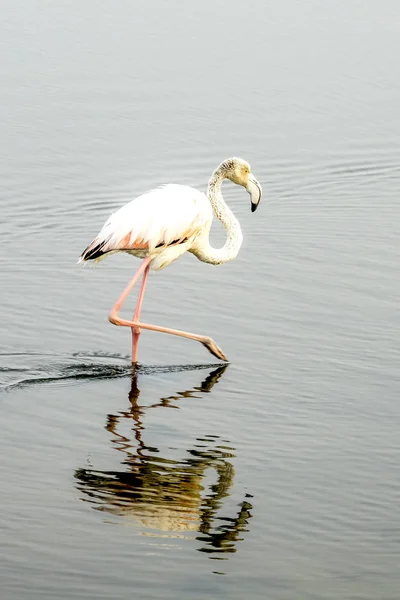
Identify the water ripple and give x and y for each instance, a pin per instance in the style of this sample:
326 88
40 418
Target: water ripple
50 368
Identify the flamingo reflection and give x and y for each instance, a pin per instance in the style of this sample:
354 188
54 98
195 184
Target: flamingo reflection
171 496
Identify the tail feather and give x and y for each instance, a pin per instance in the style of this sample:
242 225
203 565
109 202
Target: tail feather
95 250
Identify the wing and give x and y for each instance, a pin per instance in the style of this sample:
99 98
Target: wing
162 217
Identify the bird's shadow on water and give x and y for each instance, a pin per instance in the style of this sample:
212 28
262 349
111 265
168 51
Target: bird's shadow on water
164 497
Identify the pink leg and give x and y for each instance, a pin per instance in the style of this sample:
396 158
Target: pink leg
136 316
116 320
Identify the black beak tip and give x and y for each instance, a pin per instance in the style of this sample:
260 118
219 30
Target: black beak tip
253 207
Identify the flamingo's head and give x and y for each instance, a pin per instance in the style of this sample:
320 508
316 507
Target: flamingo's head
239 171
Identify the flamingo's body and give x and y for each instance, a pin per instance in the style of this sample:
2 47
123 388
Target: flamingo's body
160 225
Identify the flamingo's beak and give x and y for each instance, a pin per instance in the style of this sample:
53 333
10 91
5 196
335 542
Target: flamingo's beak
255 190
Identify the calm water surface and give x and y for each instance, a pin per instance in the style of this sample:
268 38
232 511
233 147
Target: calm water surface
278 475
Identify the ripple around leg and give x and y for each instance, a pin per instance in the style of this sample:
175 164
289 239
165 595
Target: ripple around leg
20 369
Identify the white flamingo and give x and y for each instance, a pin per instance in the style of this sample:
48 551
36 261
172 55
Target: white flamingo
161 225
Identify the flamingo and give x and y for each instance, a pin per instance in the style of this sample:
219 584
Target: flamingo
162 224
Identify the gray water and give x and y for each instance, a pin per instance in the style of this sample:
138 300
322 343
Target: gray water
277 476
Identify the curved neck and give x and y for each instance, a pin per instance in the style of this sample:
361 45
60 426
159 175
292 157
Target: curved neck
230 249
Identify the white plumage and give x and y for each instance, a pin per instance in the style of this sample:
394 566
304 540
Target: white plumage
154 223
